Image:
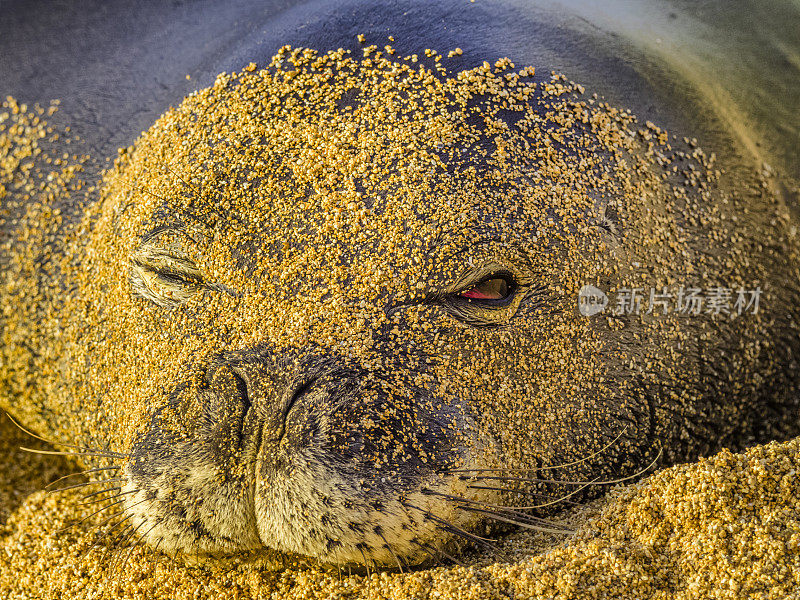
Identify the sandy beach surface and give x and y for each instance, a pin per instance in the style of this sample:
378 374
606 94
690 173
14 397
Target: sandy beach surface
726 527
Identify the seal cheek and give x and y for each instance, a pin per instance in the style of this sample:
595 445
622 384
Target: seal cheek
318 510
348 479
190 506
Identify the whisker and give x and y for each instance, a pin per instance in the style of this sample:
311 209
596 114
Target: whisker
364 557
449 527
523 492
427 549
174 558
137 544
430 550
85 484
444 522
116 514
98 454
508 490
549 467
499 516
563 498
118 495
86 472
583 483
389 548
83 449
510 510
198 193
107 533
141 188
112 488
112 543
101 510
161 539
127 539
76 523
113 527
558 500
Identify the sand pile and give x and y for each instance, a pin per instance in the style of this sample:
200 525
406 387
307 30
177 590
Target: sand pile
726 527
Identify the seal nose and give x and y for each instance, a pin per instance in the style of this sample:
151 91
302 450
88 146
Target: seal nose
229 399
259 385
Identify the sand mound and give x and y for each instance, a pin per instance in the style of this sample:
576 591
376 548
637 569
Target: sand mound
725 527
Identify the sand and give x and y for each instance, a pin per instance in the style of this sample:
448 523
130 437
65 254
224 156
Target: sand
725 527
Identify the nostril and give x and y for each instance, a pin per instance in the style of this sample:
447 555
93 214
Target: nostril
241 385
227 383
300 391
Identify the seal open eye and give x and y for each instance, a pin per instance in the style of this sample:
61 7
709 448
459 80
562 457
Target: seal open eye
491 289
488 301
496 289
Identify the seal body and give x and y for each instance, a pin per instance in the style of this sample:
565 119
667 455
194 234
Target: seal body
331 303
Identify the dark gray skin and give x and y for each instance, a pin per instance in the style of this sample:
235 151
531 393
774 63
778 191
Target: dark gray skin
117 66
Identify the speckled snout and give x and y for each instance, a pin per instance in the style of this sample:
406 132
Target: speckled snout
303 456
357 468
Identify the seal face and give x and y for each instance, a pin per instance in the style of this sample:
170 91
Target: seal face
331 307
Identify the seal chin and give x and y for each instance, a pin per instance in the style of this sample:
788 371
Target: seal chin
358 475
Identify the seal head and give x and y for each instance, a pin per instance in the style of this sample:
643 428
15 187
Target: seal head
357 271
330 307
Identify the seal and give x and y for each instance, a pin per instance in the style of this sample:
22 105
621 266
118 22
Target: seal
334 302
